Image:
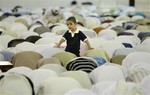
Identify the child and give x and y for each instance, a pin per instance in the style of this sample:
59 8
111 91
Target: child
73 37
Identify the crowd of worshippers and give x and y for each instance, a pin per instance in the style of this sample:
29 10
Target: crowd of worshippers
117 63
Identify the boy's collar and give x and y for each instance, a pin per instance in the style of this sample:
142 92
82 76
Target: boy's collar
77 31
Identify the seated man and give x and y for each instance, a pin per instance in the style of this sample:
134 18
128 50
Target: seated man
52 15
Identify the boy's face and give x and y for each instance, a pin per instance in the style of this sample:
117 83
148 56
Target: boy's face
71 25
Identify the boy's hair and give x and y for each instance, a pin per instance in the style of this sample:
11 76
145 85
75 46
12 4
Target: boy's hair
72 19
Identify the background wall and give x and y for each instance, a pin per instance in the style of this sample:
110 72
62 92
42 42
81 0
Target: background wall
63 3
32 3
38 3
140 5
143 6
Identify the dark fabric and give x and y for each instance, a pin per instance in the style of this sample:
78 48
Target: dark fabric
14 42
118 29
143 35
31 84
38 22
129 25
83 64
127 45
41 29
32 39
73 43
117 59
1 32
6 14
124 33
52 26
2 17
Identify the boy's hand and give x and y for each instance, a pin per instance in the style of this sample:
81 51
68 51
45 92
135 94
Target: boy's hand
57 45
90 48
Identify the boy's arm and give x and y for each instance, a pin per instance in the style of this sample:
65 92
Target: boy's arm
88 44
58 45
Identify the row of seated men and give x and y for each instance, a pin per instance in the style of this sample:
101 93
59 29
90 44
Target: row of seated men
118 64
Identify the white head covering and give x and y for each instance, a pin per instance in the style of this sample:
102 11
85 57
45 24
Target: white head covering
1 57
142 48
107 73
80 92
123 51
135 32
20 70
49 52
58 86
96 41
54 67
138 72
146 42
146 85
45 41
92 22
123 88
99 87
134 58
107 34
5 39
39 75
50 60
25 35
25 46
81 76
133 40
6 93
16 84
113 44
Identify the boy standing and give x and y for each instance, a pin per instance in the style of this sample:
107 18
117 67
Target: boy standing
73 37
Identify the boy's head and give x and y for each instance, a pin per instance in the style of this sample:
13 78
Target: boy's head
71 23
72 19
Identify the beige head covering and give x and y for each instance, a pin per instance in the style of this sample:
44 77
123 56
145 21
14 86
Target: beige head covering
117 59
45 61
64 57
26 58
54 67
99 52
81 76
